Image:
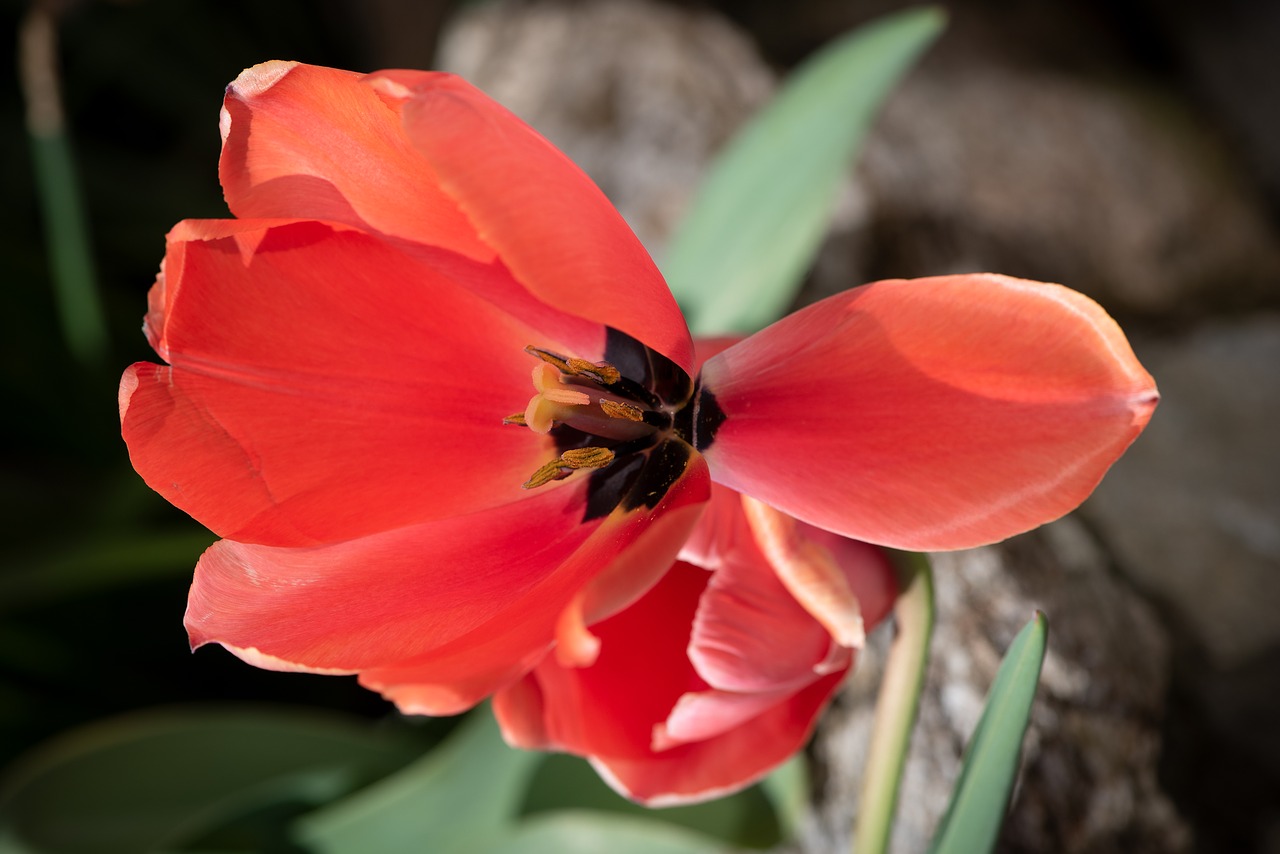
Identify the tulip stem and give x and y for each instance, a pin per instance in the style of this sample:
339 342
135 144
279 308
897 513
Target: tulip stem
898 702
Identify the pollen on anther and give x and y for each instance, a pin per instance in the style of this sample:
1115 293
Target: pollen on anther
618 409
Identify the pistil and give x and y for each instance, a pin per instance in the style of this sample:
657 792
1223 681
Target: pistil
633 422
593 399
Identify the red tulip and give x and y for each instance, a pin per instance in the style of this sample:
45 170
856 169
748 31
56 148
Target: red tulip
341 356
712 679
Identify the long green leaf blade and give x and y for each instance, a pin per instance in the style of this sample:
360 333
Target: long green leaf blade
759 217
156 779
462 797
972 822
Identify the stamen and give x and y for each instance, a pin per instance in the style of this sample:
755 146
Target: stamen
602 372
618 409
568 462
515 418
549 357
587 458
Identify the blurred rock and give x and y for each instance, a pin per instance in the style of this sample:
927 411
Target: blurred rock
1111 189
1089 779
1193 510
651 93
1227 50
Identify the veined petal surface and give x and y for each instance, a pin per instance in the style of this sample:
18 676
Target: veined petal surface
305 142
929 414
437 615
323 386
392 596
551 226
750 634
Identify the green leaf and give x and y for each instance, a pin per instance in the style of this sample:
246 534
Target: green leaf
787 789
759 217
563 782
574 832
160 779
981 796
462 797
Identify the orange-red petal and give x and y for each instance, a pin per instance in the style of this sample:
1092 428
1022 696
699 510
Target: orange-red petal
929 414
305 142
393 596
436 615
323 386
551 226
618 712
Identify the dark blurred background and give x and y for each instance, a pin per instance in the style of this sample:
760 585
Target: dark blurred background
1130 149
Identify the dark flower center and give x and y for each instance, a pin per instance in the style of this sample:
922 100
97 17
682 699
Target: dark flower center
633 422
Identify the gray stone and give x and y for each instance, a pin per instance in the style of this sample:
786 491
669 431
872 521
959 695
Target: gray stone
637 93
1192 511
1113 190
1088 782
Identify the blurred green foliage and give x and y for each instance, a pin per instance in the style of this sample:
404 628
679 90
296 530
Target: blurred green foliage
95 566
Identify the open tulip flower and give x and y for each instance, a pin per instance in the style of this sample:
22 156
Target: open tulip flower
446 416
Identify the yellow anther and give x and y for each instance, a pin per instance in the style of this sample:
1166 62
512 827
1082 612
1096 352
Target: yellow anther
549 357
618 409
587 458
554 470
565 464
601 372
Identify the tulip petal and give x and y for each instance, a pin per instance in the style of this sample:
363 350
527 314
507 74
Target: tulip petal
324 386
700 715
391 596
633 572
808 572
436 615
449 685
521 715
930 414
305 142
749 633
552 227
608 711
719 766
439 615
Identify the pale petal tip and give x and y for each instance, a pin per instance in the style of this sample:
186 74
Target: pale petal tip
266 661
437 701
389 88
259 78
252 81
128 385
575 645
670 799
